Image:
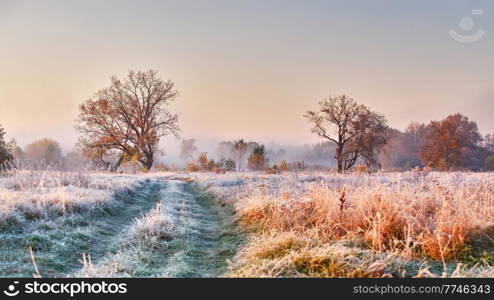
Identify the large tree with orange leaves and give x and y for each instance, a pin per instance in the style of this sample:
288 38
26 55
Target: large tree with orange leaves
447 140
128 118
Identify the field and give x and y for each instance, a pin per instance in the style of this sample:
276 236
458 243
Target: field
295 224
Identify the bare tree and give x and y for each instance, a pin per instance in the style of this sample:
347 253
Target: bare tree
357 131
187 149
129 117
239 148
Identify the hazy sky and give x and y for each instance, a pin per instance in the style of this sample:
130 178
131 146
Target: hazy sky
246 68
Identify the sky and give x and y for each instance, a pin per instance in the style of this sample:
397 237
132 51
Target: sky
246 69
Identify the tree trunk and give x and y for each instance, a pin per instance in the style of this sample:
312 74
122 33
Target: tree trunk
117 164
148 162
148 165
239 162
339 158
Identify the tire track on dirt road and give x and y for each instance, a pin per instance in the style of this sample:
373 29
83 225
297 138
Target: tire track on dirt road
204 236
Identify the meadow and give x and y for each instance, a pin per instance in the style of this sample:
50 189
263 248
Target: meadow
409 224
247 224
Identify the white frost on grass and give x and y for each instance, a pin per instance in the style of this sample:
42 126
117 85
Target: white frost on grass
154 229
37 194
296 183
139 242
440 211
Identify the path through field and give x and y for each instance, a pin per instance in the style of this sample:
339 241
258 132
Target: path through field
203 237
204 234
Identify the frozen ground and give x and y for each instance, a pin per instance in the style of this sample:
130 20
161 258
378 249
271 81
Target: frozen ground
187 234
388 224
187 224
113 226
32 195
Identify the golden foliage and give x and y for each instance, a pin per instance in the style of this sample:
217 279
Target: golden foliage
192 167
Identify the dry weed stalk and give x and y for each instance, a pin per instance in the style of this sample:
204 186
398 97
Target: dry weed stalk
33 260
342 200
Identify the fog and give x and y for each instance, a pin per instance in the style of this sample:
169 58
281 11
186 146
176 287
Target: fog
313 154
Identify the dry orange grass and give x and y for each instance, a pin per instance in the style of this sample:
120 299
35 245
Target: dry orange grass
431 222
439 217
288 254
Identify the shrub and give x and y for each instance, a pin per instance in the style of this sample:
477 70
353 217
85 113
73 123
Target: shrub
192 167
283 166
217 170
211 165
227 164
273 170
257 160
159 167
203 161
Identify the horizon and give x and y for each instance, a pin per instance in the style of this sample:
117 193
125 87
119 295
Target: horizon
239 79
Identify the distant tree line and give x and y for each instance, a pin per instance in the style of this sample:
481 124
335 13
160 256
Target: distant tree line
42 154
242 155
121 127
234 156
362 136
453 143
